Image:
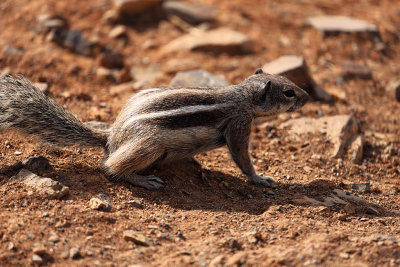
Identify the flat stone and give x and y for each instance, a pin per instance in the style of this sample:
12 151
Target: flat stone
36 164
339 129
352 70
128 8
334 24
295 69
362 187
43 185
191 13
136 237
218 40
349 197
197 78
393 90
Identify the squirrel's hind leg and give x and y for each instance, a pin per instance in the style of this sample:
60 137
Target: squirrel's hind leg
132 157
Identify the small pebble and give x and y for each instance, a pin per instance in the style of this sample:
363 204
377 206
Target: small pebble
136 203
11 246
39 249
54 237
74 253
37 259
137 238
65 254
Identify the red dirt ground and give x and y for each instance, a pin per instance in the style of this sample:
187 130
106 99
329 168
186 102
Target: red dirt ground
211 214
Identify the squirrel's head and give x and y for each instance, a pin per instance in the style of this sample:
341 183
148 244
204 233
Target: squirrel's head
273 94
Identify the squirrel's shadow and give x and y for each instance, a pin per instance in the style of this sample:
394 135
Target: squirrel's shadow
190 187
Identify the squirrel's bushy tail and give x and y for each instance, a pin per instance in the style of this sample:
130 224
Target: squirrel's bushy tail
25 108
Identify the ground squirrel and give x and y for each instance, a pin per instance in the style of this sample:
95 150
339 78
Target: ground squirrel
157 125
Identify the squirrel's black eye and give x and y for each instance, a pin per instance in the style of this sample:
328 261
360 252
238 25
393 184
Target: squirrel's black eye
289 93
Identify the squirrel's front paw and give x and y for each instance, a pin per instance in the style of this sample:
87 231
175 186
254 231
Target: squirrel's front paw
263 180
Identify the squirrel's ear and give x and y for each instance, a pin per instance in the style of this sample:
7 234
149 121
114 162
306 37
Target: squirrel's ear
266 90
258 71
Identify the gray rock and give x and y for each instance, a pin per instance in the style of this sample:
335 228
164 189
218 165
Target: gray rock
43 186
351 70
191 13
296 70
362 187
75 42
197 78
339 129
393 90
36 164
218 40
335 24
128 8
